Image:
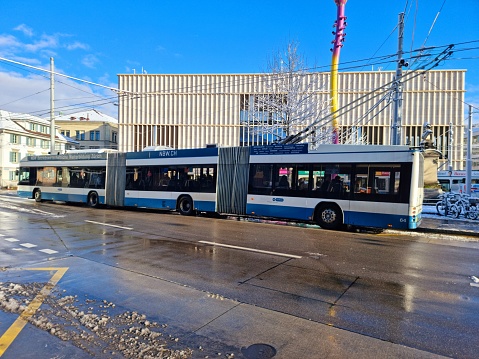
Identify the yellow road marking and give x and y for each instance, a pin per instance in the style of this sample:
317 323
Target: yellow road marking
9 336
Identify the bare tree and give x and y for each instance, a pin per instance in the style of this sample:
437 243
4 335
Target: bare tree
287 100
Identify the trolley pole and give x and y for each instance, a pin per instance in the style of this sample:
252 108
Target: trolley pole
396 127
52 109
469 153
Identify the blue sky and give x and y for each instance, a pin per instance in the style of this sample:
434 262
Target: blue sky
96 40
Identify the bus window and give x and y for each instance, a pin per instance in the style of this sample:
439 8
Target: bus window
340 180
46 176
377 182
261 179
283 176
290 179
302 178
445 185
24 176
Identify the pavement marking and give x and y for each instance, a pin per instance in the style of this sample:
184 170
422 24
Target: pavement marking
48 251
109 225
252 250
28 245
9 336
12 239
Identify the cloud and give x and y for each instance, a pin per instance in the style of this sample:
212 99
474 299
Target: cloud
45 42
9 41
90 61
77 45
27 31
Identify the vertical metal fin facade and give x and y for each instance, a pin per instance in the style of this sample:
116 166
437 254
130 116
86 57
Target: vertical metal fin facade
115 179
232 186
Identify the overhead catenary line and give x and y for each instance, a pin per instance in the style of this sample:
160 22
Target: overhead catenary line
63 75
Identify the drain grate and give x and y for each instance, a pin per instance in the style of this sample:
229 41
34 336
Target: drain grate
259 351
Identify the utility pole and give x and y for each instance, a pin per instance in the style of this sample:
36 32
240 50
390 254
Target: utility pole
396 127
469 153
52 109
449 150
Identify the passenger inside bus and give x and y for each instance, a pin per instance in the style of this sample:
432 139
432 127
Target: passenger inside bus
325 185
283 182
336 185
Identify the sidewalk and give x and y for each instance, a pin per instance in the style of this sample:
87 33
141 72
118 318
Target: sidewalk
433 223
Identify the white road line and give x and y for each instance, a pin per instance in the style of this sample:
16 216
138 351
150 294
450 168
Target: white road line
11 239
2 235
252 249
109 225
28 245
48 251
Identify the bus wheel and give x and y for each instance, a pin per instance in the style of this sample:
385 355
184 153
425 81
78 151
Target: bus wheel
329 216
93 200
185 206
37 194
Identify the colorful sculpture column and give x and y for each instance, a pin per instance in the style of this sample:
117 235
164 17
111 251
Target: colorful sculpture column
340 25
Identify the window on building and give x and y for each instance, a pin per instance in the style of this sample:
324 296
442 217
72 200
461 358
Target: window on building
14 138
80 135
45 144
94 135
14 157
114 137
12 176
65 133
31 141
44 129
33 127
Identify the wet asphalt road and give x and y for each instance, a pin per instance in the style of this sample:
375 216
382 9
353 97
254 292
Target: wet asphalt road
299 292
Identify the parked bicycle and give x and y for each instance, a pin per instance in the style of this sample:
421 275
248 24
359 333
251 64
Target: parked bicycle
466 206
446 200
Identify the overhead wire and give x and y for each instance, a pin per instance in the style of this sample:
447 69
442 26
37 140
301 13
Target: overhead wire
342 110
258 78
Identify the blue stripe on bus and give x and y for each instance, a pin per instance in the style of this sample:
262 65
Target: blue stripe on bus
59 196
380 220
163 203
364 219
25 194
265 210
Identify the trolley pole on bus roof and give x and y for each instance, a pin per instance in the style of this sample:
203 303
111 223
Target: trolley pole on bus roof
469 153
52 109
396 126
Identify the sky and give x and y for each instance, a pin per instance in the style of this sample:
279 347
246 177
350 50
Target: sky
96 40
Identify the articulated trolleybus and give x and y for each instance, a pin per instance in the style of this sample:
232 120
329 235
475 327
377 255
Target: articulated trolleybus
335 185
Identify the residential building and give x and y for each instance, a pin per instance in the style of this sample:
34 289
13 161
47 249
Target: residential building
23 135
191 111
91 129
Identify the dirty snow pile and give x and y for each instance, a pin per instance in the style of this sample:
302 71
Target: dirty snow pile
92 325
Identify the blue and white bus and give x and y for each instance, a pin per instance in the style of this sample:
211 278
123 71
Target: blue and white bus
335 185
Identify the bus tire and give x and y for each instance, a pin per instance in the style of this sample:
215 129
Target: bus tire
329 216
37 195
93 200
185 206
